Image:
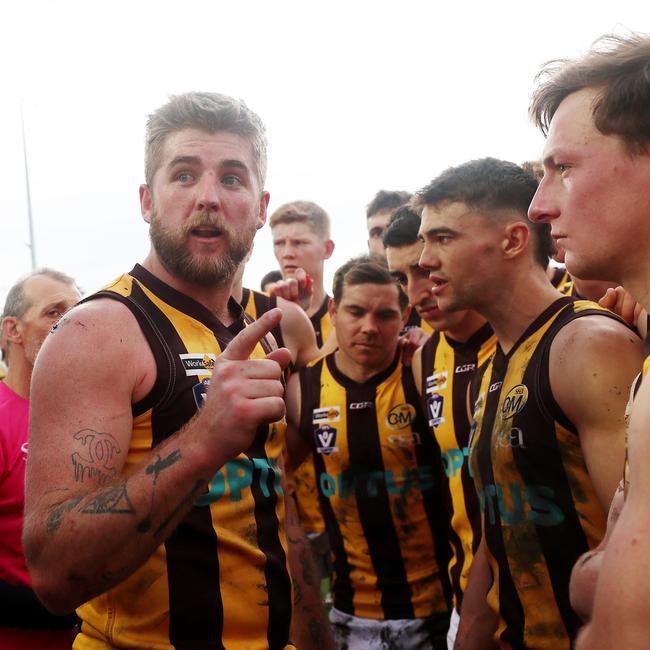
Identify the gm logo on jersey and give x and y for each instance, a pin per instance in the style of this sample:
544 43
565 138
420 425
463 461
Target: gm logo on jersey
400 416
195 364
325 438
326 414
514 401
437 381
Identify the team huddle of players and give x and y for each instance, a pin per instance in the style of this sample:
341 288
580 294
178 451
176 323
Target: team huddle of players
451 427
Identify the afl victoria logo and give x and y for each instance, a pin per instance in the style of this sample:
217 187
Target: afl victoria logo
514 401
400 416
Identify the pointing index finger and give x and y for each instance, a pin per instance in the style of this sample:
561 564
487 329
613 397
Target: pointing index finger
242 346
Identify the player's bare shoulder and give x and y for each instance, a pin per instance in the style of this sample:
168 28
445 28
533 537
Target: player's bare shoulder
103 336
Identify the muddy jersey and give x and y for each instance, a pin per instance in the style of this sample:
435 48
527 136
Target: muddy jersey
379 478
540 512
447 371
322 323
221 579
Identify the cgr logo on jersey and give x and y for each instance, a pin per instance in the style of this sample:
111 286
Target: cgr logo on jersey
325 438
357 406
198 363
514 401
434 406
495 386
437 381
467 367
400 416
327 414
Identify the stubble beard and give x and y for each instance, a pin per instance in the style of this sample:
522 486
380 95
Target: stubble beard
203 270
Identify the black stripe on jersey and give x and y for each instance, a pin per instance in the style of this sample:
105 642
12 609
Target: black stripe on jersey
310 398
316 321
278 582
464 354
427 454
375 512
509 604
245 295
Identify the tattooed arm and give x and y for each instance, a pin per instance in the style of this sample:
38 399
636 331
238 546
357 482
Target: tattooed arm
309 627
91 520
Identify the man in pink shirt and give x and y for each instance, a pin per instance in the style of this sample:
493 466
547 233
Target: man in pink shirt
34 304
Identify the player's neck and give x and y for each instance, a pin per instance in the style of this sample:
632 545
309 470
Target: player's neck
636 284
471 324
518 302
358 372
19 375
214 298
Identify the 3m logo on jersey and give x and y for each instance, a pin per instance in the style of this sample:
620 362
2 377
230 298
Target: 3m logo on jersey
327 414
325 437
514 401
198 363
400 416
434 407
437 381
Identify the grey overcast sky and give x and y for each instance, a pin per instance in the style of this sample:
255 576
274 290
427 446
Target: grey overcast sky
356 96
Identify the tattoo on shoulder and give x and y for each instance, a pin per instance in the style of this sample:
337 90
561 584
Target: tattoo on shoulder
94 458
114 500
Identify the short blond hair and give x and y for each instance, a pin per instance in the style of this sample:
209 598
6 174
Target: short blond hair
303 212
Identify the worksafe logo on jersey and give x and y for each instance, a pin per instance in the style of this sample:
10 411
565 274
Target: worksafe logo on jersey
198 363
434 405
437 381
325 438
514 401
400 416
327 414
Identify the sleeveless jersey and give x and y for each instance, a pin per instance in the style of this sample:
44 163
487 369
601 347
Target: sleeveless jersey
220 580
322 323
379 476
447 371
540 512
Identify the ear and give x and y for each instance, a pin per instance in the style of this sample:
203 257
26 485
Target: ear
146 203
331 308
516 239
11 330
264 204
329 249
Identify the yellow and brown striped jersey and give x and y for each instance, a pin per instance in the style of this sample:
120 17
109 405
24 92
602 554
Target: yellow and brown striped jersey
221 579
322 322
379 477
539 509
447 371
